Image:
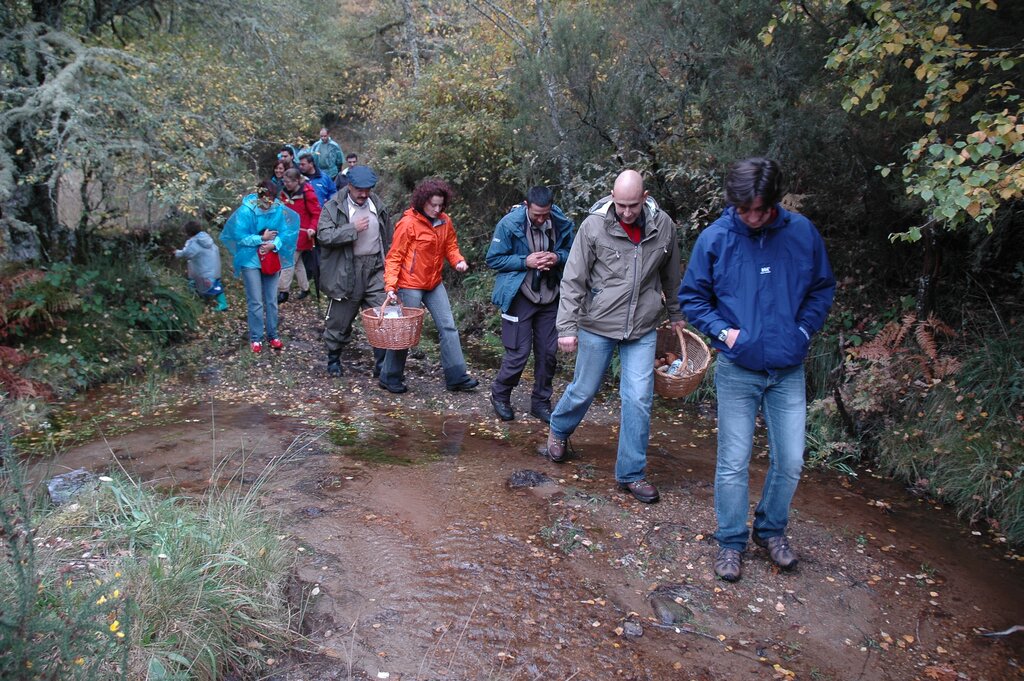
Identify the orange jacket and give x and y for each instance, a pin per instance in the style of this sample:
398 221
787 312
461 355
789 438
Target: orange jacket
418 251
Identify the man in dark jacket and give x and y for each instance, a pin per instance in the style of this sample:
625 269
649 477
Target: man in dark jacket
322 184
529 249
760 285
624 257
354 235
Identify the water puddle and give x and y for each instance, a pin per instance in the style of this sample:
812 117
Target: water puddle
444 546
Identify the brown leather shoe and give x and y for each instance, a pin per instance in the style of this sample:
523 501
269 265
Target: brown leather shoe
557 448
641 489
778 550
727 564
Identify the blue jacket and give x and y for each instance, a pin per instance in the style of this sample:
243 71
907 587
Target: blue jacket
774 284
323 186
243 233
509 248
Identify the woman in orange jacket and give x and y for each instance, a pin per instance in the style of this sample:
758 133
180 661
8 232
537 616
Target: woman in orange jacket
424 238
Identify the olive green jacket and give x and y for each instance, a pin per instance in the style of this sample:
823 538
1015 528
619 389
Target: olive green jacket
336 236
613 287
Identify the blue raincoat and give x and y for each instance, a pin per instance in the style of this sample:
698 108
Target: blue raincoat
242 234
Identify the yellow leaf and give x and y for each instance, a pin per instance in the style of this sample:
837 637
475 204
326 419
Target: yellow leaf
940 32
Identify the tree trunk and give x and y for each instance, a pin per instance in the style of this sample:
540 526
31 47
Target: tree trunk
549 88
927 282
412 40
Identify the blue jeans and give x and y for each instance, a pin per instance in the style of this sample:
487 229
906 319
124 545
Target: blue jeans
452 360
780 394
261 299
636 391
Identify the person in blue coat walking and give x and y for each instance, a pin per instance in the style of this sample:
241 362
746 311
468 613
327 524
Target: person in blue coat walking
760 285
262 224
530 247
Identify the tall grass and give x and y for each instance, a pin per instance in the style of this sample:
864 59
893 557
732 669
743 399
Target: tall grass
202 583
962 441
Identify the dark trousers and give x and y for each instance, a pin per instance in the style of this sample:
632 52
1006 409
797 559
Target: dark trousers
367 291
534 332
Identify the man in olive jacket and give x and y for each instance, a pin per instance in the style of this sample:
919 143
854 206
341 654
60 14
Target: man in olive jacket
354 235
624 256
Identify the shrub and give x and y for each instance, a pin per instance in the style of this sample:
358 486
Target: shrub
170 588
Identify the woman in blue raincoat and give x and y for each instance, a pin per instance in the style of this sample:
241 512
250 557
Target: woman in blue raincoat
262 224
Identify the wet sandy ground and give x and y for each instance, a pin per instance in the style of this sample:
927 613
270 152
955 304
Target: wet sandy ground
419 560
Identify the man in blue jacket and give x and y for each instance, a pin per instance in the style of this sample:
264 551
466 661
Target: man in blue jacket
322 185
760 285
529 248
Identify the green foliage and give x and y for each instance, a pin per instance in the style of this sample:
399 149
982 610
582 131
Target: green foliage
451 124
949 428
208 579
54 623
961 66
105 317
169 589
173 97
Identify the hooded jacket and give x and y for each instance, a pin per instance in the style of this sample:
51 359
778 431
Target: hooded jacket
419 250
774 284
509 249
336 237
613 287
203 258
328 156
243 233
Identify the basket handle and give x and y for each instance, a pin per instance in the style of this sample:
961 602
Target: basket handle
682 345
379 319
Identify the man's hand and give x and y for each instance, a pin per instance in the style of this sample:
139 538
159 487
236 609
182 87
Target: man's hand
266 247
541 260
269 235
462 266
730 340
391 297
567 343
362 223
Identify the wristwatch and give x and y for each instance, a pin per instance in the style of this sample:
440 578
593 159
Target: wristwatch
723 335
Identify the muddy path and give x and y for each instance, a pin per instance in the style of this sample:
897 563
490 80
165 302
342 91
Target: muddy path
421 561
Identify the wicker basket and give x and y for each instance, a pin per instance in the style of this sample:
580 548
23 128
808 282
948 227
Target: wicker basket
393 333
695 355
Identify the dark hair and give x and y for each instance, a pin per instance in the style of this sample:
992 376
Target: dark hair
293 174
428 188
540 196
192 228
752 178
267 188
288 148
304 156
352 155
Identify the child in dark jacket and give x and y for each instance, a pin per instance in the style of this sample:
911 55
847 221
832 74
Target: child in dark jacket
203 258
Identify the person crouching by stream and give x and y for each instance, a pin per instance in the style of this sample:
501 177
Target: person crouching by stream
203 258
259 229
424 237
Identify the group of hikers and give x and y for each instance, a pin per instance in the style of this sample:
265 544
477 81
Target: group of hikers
758 284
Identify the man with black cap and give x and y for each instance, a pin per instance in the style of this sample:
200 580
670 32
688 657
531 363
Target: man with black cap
354 234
